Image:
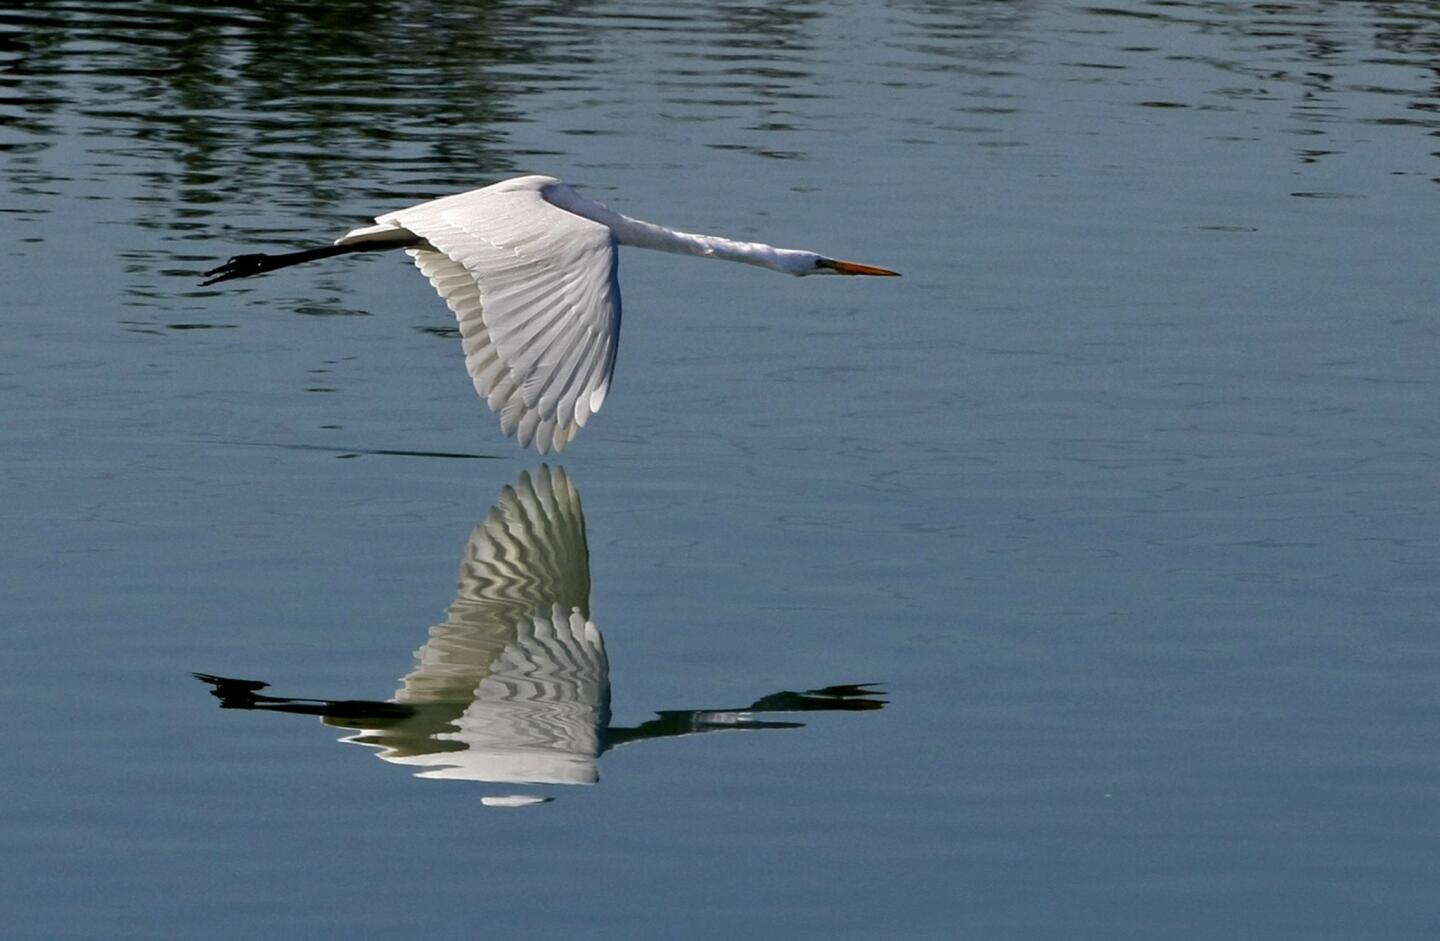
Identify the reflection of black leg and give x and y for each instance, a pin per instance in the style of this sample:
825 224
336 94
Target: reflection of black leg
245 694
235 694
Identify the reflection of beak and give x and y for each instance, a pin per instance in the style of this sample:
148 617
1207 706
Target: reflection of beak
854 267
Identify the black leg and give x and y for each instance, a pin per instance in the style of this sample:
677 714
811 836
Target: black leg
246 266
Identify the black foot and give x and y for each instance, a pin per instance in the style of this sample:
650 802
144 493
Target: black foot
241 266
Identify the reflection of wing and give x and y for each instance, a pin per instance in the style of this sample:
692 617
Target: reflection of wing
514 684
537 716
529 555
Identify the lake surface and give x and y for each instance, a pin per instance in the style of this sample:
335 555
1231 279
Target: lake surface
1081 583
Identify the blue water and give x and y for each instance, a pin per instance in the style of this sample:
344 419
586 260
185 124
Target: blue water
1123 498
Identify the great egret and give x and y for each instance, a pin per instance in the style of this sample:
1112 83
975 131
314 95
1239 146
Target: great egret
528 265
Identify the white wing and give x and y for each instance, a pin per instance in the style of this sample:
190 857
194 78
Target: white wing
536 293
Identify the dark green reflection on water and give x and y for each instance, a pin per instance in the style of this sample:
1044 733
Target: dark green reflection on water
287 101
226 102
514 685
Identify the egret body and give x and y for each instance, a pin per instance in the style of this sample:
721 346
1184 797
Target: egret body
528 266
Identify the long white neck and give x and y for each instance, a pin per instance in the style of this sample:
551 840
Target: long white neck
643 234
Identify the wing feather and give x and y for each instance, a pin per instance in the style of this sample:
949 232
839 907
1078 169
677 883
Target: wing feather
535 293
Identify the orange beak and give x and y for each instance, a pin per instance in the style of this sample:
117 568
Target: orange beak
854 267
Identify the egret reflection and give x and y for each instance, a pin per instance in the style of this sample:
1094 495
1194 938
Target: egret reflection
514 685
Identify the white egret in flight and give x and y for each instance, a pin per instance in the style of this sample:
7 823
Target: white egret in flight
529 268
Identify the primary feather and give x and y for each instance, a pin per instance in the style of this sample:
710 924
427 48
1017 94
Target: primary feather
535 292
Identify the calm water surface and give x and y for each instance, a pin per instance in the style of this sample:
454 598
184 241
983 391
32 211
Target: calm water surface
1081 583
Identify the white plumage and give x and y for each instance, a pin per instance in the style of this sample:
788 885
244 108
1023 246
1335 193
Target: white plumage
529 268
535 292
